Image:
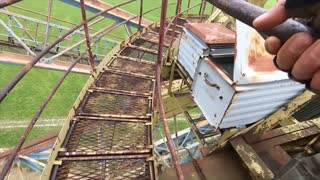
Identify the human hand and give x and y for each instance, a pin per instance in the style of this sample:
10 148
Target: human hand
299 56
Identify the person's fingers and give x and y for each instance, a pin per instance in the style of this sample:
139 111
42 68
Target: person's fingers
273 17
308 63
315 82
272 44
292 50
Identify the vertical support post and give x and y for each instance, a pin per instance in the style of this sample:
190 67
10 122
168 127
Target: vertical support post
158 89
50 2
86 31
178 9
141 12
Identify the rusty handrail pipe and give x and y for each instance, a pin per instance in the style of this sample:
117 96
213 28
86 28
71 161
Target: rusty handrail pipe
6 90
140 17
158 91
4 3
27 131
87 35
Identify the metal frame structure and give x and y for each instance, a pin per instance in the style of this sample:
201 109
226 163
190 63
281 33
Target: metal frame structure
48 47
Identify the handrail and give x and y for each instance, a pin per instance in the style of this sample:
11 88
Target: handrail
28 66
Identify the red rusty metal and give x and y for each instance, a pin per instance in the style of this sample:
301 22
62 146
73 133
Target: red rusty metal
4 3
259 60
86 31
6 90
158 86
212 33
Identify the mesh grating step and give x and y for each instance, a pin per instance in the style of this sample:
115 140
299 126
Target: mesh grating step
113 81
139 54
116 169
154 37
148 44
117 104
125 65
107 137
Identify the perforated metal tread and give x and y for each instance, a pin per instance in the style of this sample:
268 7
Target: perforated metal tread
110 134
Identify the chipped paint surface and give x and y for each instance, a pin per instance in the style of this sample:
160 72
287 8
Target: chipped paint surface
212 33
253 64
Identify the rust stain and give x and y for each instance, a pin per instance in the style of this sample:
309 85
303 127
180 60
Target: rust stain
212 33
258 58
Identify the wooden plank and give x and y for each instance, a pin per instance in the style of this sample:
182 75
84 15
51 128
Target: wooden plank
279 132
256 166
261 146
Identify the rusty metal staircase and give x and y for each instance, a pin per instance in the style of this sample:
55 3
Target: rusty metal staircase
108 134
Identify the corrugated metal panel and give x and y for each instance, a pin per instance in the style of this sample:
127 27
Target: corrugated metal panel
190 50
255 102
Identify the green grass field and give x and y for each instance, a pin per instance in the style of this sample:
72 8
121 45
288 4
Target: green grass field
25 99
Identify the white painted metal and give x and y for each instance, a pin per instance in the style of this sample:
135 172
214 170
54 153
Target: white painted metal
213 101
256 90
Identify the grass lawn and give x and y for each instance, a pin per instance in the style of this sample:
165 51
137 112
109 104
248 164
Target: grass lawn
27 96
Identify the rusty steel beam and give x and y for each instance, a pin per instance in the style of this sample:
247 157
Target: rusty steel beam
158 91
4 3
247 12
86 32
6 90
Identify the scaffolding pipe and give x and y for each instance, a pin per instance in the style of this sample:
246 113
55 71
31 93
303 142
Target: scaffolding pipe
6 90
158 80
17 38
4 3
86 32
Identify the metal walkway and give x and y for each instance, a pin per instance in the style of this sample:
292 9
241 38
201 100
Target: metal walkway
108 134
